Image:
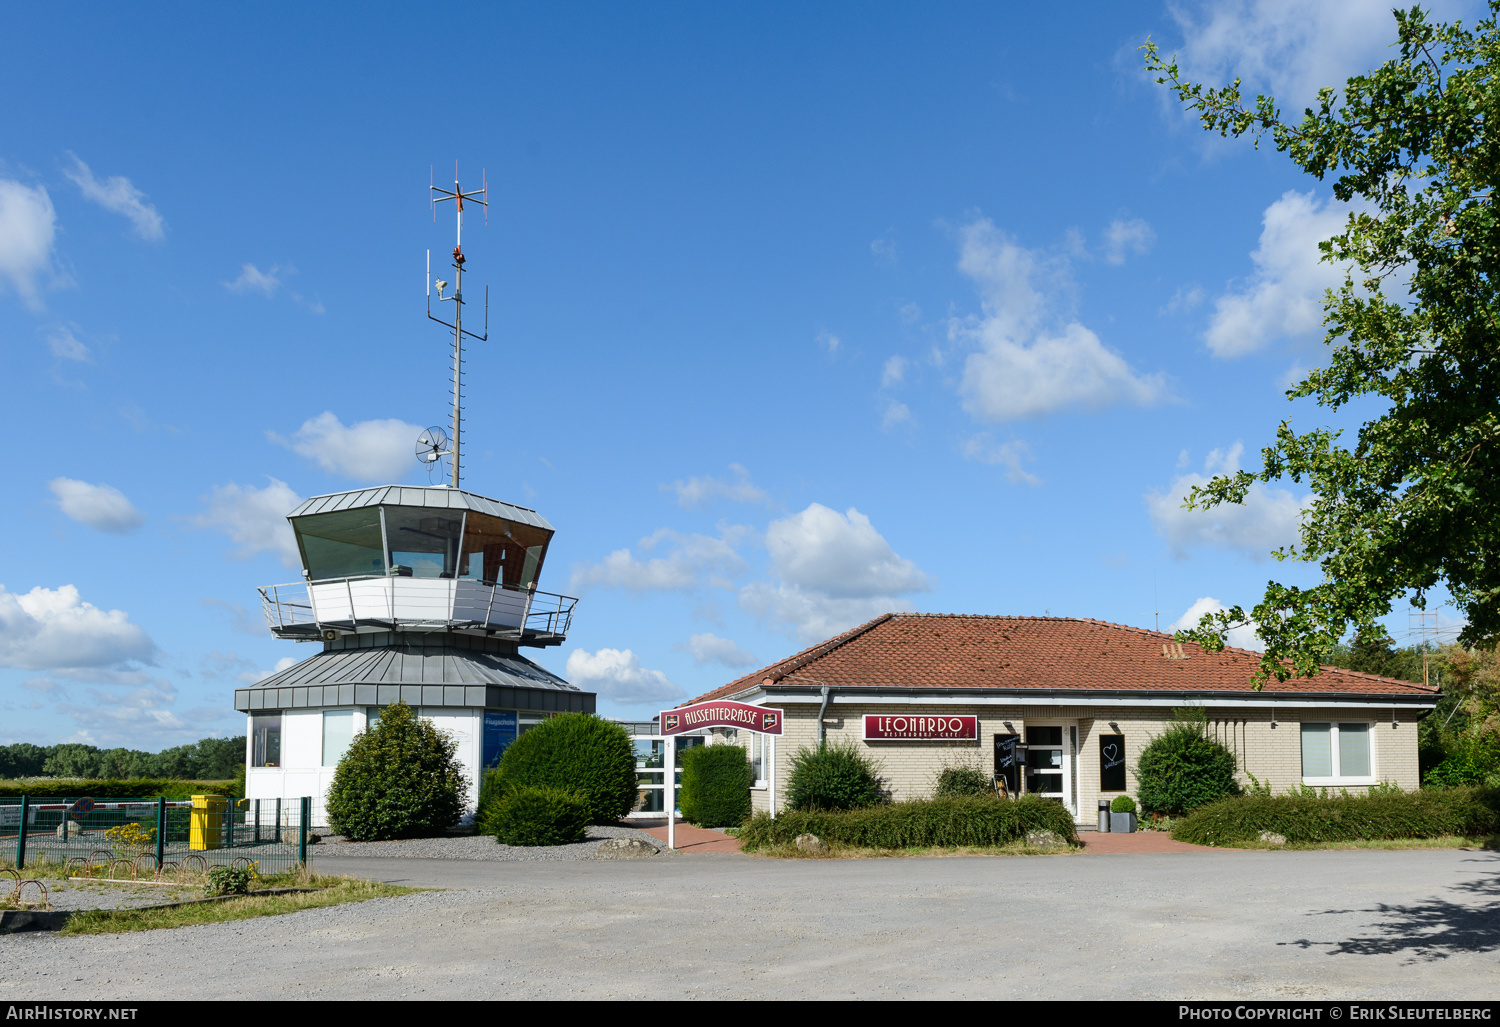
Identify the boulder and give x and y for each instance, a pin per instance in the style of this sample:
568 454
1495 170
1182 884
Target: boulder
810 843
1042 839
69 829
625 848
1272 838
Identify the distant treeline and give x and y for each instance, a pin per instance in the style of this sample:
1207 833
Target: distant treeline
205 759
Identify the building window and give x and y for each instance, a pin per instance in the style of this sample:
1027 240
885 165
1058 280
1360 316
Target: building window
1334 753
265 730
338 732
759 750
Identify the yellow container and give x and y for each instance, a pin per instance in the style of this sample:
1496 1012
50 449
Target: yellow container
206 824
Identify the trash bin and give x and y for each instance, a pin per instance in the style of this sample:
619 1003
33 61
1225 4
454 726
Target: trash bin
206 824
1104 815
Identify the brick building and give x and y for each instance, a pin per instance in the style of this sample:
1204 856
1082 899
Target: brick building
1081 697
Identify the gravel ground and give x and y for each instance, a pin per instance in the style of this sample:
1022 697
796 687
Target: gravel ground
476 847
79 895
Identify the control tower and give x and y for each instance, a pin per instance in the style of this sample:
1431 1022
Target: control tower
424 595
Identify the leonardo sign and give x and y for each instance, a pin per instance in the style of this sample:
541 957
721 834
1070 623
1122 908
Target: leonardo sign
880 727
722 714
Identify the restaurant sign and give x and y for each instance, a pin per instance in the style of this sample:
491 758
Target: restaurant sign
882 727
721 714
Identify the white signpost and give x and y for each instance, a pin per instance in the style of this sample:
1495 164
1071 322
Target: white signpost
716 713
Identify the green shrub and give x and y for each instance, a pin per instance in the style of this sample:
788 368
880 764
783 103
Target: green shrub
1307 817
961 781
961 820
1469 761
834 776
1122 804
399 779
227 880
716 783
577 752
537 815
1183 768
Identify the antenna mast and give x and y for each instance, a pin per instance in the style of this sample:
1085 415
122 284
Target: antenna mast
459 197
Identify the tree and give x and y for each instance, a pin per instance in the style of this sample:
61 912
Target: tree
1414 148
399 779
576 752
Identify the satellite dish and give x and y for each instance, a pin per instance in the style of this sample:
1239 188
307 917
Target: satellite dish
433 451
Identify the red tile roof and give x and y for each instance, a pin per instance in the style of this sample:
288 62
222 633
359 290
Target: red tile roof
919 650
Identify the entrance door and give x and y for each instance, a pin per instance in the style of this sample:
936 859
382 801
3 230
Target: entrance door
1049 771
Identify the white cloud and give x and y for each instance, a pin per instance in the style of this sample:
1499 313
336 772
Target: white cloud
1124 234
696 492
117 194
377 451
894 372
691 559
1021 367
1267 520
28 228
254 677
99 506
49 628
894 414
710 648
1184 299
617 674
1284 297
829 342
65 345
253 279
830 571
242 619
254 519
1289 48
884 250
1009 455
1242 637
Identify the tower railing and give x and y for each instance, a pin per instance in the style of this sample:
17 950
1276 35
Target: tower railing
377 602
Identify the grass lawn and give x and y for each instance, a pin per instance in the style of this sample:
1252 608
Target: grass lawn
330 891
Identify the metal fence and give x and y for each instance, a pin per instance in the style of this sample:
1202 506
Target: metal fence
150 836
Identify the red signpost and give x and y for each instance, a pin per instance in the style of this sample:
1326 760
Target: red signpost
716 713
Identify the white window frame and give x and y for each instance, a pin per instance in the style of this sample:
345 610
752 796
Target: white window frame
1338 779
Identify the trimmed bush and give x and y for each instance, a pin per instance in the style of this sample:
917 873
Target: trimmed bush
834 776
961 781
1183 768
577 752
962 820
532 815
1312 818
399 779
1122 804
716 783
137 788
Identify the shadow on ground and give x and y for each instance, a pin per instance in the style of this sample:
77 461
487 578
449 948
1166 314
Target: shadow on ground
1429 930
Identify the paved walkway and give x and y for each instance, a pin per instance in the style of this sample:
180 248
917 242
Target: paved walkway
696 839
1095 843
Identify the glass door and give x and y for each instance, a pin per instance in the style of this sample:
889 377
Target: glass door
651 771
1046 762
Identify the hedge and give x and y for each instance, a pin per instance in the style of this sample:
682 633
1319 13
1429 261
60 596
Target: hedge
958 820
138 788
577 752
716 783
1309 818
537 816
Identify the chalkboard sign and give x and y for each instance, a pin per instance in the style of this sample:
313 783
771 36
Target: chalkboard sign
1006 765
1111 763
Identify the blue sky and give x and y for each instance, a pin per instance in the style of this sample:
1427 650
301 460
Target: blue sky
797 316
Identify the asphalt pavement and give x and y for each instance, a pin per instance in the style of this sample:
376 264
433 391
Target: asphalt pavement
1215 924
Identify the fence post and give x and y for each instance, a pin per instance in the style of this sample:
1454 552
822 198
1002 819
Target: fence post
304 815
257 821
21 834
161 830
